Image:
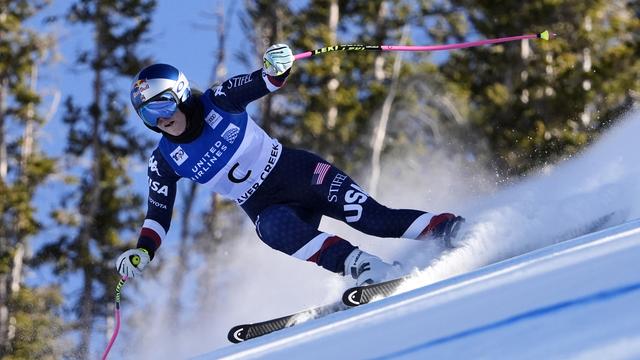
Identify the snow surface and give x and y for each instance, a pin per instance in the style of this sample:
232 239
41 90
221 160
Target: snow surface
513 290
575 299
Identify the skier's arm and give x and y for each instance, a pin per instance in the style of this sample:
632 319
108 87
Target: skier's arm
236 93
162 194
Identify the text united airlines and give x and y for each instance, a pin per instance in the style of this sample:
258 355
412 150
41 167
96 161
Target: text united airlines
208 160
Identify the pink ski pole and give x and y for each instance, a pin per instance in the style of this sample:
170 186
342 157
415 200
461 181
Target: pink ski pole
545 35
117 328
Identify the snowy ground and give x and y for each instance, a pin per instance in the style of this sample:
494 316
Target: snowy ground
257 283
577 299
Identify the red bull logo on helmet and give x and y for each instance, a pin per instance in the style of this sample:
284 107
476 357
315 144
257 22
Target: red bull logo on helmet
138 87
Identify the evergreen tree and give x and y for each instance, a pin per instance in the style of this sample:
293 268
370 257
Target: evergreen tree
536 101
333 102
265 23
325 106
330 100
25 311
101 211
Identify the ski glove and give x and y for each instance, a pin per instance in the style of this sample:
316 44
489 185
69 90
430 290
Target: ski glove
277 59
131 262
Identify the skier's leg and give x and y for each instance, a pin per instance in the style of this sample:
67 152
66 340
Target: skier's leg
358 209
284 228
308 181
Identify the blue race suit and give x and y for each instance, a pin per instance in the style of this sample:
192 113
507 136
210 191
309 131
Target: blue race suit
284 191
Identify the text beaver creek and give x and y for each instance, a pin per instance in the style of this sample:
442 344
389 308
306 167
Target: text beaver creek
273 157
208 160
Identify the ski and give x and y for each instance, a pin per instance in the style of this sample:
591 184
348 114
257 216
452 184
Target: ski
359 295
244 332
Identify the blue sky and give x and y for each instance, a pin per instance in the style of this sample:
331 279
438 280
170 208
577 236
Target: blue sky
175 37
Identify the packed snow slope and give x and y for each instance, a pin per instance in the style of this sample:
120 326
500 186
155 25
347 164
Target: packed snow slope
551 297
576 299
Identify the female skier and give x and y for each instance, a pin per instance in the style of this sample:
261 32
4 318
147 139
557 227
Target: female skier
209 138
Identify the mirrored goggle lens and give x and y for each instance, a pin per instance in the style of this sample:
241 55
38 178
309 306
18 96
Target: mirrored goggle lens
165 96
151 112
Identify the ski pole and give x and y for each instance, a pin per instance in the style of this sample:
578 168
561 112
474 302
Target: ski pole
117 328
545 35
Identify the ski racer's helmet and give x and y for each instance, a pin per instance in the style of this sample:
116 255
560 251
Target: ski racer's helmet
157 91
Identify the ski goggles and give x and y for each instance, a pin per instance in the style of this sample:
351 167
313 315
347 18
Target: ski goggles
163 105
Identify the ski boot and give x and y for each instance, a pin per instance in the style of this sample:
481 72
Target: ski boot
369 269
443 227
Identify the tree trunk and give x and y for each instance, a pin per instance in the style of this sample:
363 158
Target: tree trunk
84 239
4 236
219 68
3 144
25 157
86 318
334 83
380 132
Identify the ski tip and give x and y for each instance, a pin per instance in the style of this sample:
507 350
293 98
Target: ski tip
546 35
238 334
352 297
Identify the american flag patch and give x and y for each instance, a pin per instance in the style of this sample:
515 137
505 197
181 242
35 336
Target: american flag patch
319 173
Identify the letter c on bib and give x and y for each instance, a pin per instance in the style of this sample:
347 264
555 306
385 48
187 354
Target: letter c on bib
235 179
